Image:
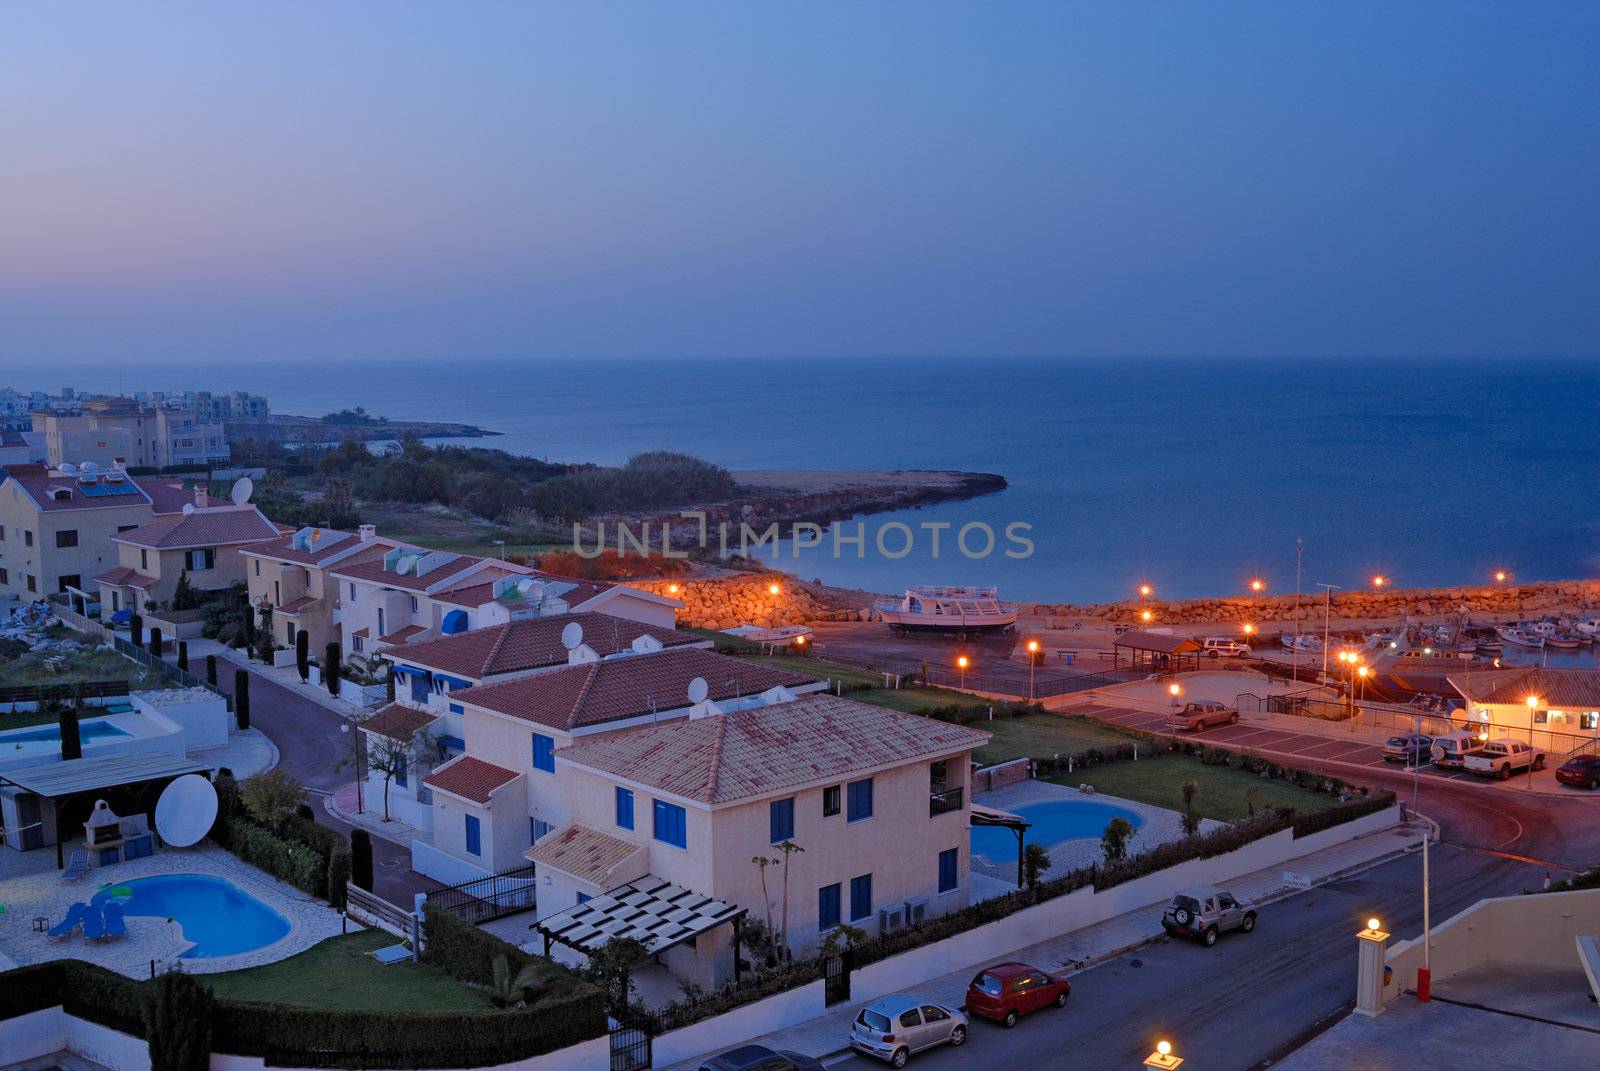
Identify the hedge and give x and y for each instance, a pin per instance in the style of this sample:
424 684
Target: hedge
299 864
466 952
317 1037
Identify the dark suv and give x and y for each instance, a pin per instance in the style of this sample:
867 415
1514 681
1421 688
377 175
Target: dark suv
1580 771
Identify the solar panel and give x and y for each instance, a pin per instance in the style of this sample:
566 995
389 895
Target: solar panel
107 490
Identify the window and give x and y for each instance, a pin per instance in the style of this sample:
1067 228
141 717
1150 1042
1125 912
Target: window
200 560
1589 720
780 820
670 823
938 776
288 632
828 907
830 801
144 558
949 869
125 528
381 630
537 829
474 836
544 753
33 582
71 580
116 596
932 1013
860 897
67 538
277 592
258 566
401 771
5 578
419 687
27 537
359 643
455 708
624 809
859 800
910 1017
413 604
352 593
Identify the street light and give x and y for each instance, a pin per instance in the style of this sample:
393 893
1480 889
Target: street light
1327 607
1533 709
1500 576
1379 580
1162 1059
961 664
1258 585
1175 689
1146 616
1033 658
1247 628
672 589
773 589
1145 590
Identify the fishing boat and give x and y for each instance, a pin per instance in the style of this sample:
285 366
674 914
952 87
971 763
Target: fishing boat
961 612
1588 626
1520 637
1564 640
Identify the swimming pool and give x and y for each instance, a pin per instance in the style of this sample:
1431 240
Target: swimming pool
218 916
1052 822
46 739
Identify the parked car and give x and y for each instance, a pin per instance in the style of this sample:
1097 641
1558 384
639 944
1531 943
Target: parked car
1203 715
1204 912
1450 750
1408 747
893 1028
1008 991
1225 647
1582 771
1502 758
761 1058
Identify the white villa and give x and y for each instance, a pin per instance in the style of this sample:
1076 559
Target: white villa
1556 710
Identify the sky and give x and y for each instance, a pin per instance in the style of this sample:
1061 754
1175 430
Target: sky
389 180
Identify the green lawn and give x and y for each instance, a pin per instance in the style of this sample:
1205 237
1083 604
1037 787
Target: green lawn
338 973
1223 791
816 667
1040 735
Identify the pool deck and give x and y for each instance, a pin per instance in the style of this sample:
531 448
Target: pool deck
29 888
1159 825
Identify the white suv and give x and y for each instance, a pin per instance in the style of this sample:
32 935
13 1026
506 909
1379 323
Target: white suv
1223 647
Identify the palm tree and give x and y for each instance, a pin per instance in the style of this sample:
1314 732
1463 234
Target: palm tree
504 991
762 862
788 848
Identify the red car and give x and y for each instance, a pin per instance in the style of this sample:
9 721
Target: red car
1008 991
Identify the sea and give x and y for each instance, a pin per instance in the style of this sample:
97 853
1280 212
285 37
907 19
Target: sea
1193 476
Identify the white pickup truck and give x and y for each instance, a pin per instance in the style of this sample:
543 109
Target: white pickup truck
1502 758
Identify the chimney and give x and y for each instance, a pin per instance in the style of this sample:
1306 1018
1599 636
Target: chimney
367 532
201 499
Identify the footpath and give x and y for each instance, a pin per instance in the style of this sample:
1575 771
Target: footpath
827 1035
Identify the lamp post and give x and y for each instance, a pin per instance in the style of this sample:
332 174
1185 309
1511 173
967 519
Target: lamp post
1370 966
1175 690
349 726
961 664
1533 712
1163 1059
1033 659
1327 608
1294 661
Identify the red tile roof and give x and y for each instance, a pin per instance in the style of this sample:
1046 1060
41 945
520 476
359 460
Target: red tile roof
36 481
598 692
479 593
295 606
211 527
398 722
470 778
169 496
332 543
590 855
531 643
374 571
122 576
1558 688
753 752
401 635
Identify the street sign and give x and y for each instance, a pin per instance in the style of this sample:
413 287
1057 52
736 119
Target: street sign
1296 881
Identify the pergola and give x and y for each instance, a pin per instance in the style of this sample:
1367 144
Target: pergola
993 816
131 776
1158 651
656 913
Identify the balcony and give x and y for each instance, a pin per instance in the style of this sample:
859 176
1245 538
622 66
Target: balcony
946 801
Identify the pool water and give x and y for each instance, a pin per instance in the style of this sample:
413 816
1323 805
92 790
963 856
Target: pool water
1052 822
47 738
218 916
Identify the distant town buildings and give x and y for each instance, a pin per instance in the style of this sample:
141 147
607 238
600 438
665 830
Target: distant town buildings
156 429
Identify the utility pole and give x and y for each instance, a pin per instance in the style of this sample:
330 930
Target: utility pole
1327 605
1294 655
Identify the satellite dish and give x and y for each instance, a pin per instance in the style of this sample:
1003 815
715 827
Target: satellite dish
186 810
188 508
572 635
68 469
243 488
89 467
698 690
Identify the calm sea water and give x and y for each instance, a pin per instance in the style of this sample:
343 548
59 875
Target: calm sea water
1192 475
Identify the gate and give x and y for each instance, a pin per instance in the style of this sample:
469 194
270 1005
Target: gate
630 1047
835 979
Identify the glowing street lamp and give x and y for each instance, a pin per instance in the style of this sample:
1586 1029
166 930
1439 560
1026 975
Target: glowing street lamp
773 589
1146 616
1500 576
1145 591
961 663
1162 1059
1247 628
1258 585
1379 581
1033 659
672 589
1175 690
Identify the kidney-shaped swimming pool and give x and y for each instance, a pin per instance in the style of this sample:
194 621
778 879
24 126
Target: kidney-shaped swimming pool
1050 823
218 916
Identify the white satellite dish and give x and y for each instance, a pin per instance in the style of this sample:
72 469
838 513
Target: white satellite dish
572 635
243 488
68 469
188 508
698 690
186 810
89 467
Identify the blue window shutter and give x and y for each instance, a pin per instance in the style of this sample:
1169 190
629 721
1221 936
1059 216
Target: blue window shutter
860 800
455 708
949 861
827 907
544 753
860 897
401 769
624 809
781 819
474 835
419 689
671 824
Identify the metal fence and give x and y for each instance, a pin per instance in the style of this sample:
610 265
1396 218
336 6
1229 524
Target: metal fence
896 671
492 897
129 649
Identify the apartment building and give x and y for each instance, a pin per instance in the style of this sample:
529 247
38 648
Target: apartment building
291 573
119 430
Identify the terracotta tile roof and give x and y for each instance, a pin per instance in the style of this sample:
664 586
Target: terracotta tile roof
580 592
597 692
331 544
590 855
123 576
1558 688
202 528
398 722
362 632
470 778
401 635
36 481
295 606
169 496
761 750
374 571
531 643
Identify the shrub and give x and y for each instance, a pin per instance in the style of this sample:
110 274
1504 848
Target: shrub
338 875
300 865
466 952
241 698
177 1022
361 858
1339 813
270 798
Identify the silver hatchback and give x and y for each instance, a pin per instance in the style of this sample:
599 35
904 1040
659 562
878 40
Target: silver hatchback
893 1028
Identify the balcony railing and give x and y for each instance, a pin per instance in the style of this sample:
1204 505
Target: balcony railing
944 802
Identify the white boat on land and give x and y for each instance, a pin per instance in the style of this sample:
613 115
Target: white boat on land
961 612
1520 637
779 636
1306 641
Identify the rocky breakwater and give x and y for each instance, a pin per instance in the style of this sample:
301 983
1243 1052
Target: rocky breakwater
733 601
1500 600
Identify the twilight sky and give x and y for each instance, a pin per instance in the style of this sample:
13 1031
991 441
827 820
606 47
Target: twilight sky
369 180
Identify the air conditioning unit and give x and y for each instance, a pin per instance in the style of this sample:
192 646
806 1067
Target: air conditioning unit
891 919
916 911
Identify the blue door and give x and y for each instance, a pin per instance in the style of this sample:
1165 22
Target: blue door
474 836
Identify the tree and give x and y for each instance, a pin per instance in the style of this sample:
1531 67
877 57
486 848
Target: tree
391 758
361 858
1191 817
508 991
610 966
247 633
332 663
1114 841
71 739
761 863
184 596
177 1020
241 698
1035 861
788 848
271 798
264 643
211 670
156 642
302 654
183 655
228 804
136 630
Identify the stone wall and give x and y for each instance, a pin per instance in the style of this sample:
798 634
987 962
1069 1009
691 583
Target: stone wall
1530 600
734 601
